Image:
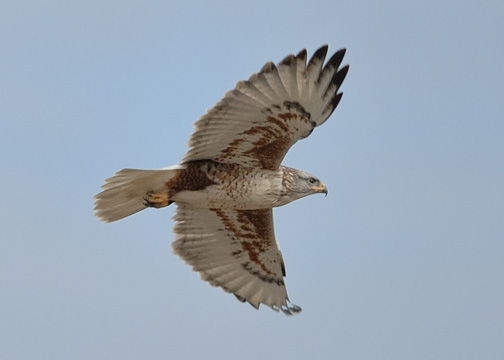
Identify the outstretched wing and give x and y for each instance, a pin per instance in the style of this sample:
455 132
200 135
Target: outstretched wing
256 123
236 250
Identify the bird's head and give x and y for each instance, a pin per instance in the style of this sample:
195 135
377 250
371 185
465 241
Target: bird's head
299 184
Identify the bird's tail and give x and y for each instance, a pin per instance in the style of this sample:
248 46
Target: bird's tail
124 193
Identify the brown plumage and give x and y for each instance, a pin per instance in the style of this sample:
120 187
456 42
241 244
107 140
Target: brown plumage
231 177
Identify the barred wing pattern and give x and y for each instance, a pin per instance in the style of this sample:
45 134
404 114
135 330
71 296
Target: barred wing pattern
256 123
236 250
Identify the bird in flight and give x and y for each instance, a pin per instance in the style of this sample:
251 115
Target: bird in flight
231 177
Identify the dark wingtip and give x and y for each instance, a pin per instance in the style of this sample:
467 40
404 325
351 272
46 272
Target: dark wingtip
291 309
302 55
341 52
335 101
321 53
333 104
269 66
340 76
336 59
288 60
240 299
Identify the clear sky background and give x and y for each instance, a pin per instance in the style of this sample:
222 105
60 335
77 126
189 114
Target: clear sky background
403 260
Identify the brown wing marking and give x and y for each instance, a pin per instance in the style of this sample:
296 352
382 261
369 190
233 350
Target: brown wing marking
268 144
191 178
257 122
235 250
256 236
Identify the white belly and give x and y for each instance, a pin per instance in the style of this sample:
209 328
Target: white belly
260 192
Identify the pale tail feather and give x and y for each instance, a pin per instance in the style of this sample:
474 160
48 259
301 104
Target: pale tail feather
123 194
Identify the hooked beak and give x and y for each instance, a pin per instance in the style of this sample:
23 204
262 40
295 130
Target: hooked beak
321 189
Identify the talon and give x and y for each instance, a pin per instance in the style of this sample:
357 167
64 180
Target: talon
156 199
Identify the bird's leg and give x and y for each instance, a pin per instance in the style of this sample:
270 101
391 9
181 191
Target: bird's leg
157 199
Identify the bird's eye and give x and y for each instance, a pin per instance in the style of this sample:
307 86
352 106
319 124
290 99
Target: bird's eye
312 180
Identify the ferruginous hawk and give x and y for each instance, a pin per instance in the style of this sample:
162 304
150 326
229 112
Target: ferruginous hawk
231 177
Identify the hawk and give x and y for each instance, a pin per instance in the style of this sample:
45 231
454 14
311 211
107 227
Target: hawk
231 177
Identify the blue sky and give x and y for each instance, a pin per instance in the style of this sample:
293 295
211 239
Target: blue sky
403 259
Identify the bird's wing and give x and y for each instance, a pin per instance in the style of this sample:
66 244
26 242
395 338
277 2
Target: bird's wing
236 250
256 123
